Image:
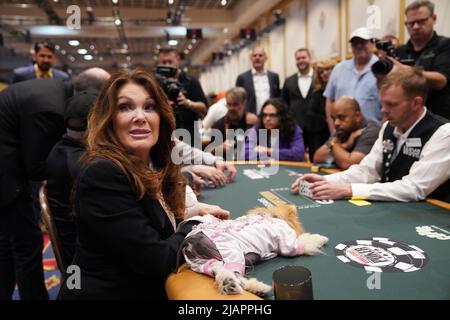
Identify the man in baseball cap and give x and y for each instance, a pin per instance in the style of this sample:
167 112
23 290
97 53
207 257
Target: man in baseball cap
354 78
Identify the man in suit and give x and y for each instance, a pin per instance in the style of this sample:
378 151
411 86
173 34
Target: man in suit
298 89
31 123
43 57
260 84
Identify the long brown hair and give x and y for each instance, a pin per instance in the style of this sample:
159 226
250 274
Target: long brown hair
103 143
319 83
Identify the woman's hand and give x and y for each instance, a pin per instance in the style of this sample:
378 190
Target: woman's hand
213 210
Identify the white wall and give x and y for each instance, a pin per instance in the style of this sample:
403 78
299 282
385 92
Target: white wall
315 24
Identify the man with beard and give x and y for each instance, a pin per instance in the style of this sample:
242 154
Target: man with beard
429 51
298 88
354 135
44 57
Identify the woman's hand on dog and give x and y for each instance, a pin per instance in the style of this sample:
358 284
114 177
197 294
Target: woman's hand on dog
213 210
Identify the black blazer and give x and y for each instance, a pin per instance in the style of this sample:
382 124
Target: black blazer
28 73
245 80
31 122
126 248
297 103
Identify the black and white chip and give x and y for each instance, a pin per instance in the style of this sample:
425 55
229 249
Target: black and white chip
381 255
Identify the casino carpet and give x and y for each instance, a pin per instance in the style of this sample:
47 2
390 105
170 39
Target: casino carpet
51 272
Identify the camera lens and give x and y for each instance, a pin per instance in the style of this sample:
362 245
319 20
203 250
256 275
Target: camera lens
382 67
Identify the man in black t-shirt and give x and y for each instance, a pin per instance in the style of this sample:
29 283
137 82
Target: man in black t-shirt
429 51
191 103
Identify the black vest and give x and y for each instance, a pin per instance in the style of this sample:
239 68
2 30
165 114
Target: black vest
410 152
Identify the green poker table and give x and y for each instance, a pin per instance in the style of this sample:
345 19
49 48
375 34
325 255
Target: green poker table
422 226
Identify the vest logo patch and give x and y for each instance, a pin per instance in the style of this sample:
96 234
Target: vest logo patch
412 152
414 143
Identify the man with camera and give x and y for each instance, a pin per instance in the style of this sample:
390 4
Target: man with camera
429 51
191 103
410 159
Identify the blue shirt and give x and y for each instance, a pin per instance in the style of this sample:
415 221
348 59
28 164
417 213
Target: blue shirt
346 81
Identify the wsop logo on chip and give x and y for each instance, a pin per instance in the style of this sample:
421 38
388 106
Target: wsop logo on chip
381 255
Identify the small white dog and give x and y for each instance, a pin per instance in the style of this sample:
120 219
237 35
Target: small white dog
223 248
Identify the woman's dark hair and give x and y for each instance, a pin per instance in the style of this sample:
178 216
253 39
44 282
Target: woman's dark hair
287 122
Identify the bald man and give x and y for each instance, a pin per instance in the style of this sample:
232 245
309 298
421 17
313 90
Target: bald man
354 135
91 79
259 83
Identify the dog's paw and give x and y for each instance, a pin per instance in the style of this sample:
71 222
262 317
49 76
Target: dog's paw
311 243
228 282
255 286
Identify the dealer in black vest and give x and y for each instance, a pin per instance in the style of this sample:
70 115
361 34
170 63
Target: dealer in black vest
410 160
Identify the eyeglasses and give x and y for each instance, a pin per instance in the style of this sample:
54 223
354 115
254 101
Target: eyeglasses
420 22
269 115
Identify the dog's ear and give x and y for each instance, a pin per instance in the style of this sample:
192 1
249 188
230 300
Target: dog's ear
258 210
292 210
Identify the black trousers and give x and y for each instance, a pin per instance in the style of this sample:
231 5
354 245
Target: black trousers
21 246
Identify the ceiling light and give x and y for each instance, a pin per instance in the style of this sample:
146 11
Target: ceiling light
170 2
63 52
115 1
88 57
117 22
82 51
74 43
186 51
223 3
57 47
173 42
100 58
190 47
225 30
92 47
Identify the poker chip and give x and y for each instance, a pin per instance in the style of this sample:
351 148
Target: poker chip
325 201
381 255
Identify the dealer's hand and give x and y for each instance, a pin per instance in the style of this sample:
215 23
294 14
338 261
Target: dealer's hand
309 177
325 190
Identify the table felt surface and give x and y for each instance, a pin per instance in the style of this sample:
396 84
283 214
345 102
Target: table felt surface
342 221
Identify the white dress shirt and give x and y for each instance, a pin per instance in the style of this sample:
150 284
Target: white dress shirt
430 171
304 82
215 112
262 88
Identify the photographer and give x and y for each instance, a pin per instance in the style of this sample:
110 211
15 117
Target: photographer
429 51
191 103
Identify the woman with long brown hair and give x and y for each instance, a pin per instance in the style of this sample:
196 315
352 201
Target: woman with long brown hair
129 196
